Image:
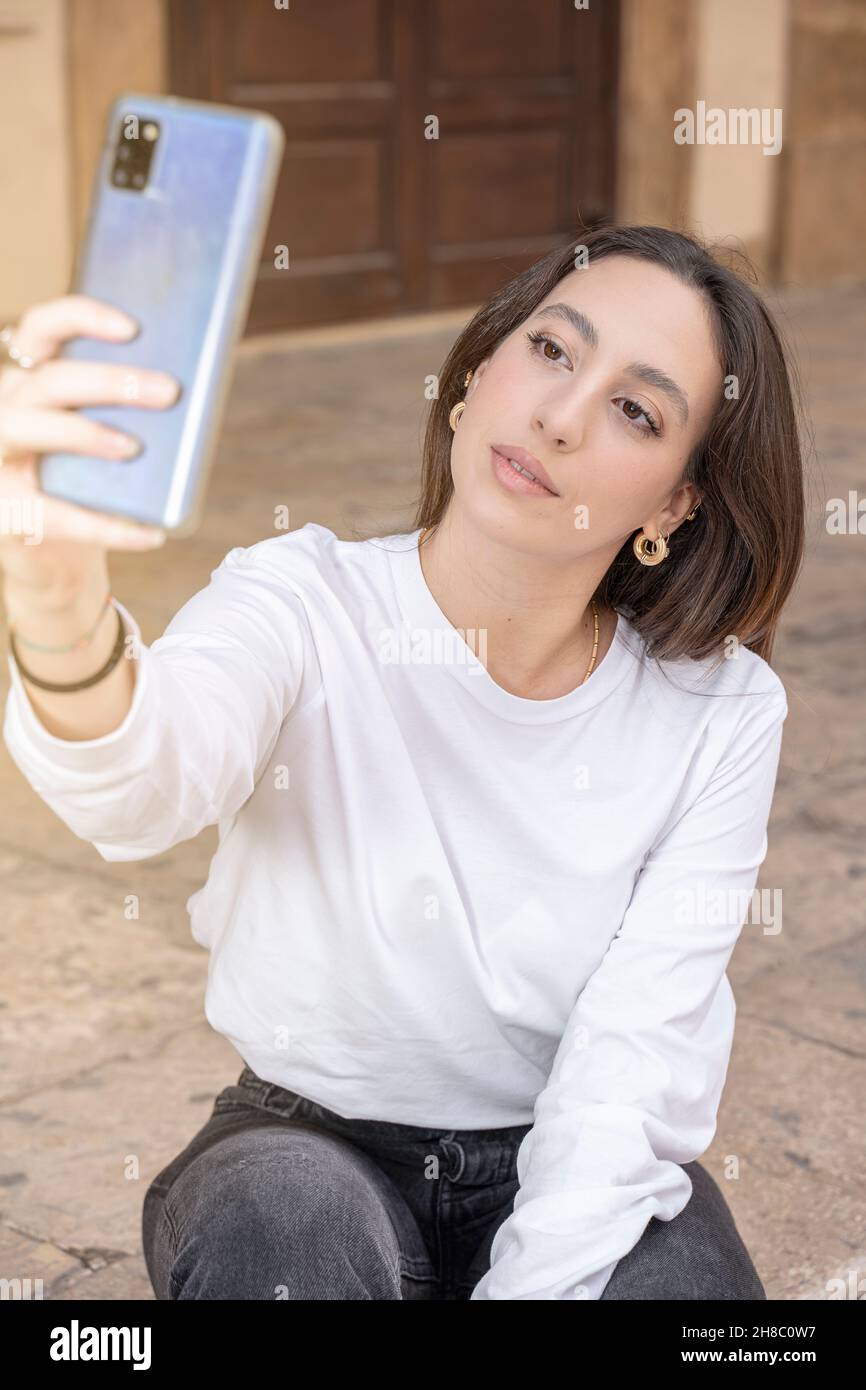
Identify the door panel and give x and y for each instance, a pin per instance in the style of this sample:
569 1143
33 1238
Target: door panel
519 97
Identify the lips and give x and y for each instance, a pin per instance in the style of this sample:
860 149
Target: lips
527 461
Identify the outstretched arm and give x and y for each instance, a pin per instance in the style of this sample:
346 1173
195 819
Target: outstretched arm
209 699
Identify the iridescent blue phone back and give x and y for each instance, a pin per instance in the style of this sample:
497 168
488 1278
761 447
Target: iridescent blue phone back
180 255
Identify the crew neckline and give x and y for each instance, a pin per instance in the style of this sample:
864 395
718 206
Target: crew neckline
421 611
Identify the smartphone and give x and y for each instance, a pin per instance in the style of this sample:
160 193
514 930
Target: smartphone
180 205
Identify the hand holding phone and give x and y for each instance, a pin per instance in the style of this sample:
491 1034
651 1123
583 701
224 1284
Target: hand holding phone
178 214
52 549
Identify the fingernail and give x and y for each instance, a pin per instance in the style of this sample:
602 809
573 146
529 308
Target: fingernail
124 446
124 327
163 389
158 537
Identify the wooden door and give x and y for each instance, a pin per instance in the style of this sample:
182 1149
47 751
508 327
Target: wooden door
433 147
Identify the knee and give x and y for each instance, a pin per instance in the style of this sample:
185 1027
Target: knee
720 1260
277 1222
698 1255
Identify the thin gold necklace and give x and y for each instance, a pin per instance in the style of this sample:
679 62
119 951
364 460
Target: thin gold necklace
591 667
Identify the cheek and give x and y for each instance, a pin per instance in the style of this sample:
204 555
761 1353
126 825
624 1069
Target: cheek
621 482
507 391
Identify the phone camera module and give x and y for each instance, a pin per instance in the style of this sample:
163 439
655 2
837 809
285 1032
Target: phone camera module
137 139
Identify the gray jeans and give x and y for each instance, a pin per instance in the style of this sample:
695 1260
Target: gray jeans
277 1197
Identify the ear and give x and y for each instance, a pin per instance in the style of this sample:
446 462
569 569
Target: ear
476 377
681 502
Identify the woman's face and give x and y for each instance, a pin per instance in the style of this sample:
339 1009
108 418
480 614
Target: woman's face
619 384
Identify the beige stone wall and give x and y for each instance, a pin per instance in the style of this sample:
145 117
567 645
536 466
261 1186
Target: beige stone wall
741 52
62 63
726 53
657 75
35 229
822 227
801 214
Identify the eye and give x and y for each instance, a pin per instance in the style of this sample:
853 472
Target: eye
536 339
539 342
651 426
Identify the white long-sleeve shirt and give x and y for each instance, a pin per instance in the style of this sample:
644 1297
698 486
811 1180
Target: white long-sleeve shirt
438 903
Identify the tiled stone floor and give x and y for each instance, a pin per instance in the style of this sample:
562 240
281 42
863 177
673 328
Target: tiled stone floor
108 1060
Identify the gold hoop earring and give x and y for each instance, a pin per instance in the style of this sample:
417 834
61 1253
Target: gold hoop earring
690 516
651 552
458 409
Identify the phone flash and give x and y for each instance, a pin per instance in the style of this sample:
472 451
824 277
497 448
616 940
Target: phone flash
149 131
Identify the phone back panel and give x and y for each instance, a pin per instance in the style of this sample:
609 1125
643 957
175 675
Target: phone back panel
181 257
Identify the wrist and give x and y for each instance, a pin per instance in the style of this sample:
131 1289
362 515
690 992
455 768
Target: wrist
74 644
48 583
59 617
44 678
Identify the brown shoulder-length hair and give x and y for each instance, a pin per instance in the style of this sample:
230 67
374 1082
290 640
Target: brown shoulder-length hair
731 569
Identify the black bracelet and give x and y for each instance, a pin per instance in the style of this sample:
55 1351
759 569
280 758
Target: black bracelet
116 654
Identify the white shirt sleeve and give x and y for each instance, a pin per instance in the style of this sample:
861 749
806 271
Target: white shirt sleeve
636 1081
210 697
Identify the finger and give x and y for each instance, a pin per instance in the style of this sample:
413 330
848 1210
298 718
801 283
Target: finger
44 327
31 431
63 382
65 521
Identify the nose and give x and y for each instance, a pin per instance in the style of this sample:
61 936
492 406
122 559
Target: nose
561 424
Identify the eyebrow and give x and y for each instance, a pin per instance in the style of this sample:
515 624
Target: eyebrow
653 376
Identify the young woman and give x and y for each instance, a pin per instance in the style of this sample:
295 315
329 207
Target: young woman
492 798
